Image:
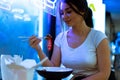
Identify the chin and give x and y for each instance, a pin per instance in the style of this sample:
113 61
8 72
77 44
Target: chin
68 24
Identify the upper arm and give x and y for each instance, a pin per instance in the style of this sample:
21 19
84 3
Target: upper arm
56 56
103 56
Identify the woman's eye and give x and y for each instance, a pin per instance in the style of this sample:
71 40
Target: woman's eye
69 12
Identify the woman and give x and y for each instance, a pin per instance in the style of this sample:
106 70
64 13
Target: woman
81 48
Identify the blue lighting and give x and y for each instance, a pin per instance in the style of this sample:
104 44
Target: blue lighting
112 5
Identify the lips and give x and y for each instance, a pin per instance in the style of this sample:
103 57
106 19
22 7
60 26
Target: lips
67 21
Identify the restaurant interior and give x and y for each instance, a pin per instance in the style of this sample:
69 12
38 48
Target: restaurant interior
29 17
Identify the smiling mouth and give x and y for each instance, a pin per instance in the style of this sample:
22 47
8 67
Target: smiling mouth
67 21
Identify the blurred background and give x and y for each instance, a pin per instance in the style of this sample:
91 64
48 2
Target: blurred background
39 17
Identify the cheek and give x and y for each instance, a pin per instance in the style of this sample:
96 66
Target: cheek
73 19
77 19
73 16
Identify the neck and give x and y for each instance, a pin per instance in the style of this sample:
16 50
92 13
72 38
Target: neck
80 29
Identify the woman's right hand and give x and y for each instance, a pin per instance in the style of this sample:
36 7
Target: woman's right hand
34 42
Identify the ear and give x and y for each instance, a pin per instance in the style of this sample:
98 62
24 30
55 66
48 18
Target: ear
82 13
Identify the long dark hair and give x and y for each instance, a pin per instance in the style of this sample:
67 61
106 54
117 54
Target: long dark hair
88 19
81 6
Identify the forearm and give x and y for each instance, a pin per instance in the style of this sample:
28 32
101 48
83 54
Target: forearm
98 76
43 56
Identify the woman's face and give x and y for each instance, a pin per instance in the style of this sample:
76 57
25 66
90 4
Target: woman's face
68 15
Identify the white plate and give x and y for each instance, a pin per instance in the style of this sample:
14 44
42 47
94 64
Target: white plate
55 69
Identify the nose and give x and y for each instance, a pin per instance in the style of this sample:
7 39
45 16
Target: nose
65 16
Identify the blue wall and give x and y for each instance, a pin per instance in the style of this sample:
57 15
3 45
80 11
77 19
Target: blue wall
10 30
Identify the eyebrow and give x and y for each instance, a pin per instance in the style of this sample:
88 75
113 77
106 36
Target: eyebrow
66 9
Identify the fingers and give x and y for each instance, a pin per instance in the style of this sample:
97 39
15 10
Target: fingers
34 41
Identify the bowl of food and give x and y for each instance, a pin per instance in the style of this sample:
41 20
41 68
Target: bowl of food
54 73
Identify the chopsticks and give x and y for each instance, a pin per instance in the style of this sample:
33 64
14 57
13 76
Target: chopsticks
23 37
26 38
40 63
